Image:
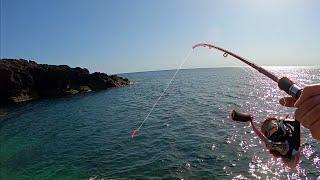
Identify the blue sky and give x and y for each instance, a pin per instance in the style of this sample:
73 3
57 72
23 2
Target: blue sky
129 36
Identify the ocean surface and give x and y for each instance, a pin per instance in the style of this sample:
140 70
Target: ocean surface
188 135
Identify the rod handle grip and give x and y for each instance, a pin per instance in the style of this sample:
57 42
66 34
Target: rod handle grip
240 116
290 87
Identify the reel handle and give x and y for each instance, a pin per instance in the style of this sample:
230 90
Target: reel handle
241 117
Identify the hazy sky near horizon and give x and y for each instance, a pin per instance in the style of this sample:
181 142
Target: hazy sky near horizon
116 36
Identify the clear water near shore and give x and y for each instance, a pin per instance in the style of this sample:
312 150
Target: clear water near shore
188 136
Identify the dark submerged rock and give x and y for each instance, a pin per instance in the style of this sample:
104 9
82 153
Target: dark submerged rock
22 80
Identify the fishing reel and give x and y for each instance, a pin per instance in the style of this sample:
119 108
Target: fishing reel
280 135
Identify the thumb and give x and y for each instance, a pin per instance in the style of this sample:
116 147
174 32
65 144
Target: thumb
287 101
308 91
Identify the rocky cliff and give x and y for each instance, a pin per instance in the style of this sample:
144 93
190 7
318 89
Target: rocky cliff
22 80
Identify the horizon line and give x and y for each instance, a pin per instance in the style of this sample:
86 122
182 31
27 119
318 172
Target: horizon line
218 67
246 66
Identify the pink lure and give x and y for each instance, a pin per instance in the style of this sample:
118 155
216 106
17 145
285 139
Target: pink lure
135 132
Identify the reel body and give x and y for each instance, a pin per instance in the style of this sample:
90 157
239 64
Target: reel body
280 135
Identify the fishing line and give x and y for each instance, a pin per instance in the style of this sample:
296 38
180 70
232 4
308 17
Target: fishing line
284 83
135 132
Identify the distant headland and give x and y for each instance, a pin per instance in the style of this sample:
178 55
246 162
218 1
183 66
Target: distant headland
22 80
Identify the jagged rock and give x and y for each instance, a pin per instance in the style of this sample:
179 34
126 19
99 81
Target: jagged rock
70 91
22 80
84 89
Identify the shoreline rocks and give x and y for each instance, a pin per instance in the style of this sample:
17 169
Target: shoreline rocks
22 80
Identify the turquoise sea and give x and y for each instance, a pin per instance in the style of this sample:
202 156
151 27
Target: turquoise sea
188 136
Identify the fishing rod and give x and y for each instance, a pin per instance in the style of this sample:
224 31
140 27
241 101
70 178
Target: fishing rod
284 83
281 136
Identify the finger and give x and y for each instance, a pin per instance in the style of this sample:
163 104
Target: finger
310 117
308 92
287 101
307 106
315 130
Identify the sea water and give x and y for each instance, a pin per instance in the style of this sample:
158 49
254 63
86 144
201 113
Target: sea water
188 135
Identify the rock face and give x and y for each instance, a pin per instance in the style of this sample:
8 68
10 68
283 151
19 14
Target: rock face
22 80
